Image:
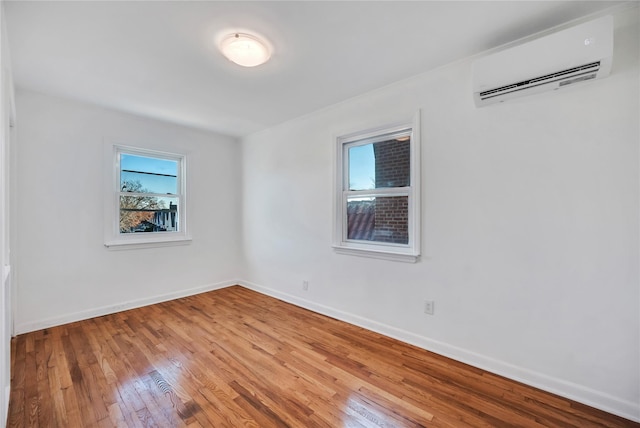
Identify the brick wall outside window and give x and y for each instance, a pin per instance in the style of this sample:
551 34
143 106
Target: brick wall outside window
393 164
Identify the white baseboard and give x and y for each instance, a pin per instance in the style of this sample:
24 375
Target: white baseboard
110 309
7 391
573 391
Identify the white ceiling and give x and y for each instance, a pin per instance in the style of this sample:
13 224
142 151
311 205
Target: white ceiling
158 59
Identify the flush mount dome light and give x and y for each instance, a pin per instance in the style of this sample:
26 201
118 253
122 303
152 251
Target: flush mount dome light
245 49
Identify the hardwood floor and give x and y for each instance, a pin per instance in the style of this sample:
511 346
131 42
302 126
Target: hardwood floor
236 358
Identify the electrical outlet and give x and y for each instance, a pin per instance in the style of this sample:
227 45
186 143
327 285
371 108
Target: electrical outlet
305 285
429 307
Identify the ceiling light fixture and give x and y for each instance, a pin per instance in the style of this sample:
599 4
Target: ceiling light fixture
245 49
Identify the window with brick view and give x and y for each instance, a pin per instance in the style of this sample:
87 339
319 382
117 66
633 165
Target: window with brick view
376 206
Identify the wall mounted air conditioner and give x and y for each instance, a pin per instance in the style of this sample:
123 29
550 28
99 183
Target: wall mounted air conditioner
571 56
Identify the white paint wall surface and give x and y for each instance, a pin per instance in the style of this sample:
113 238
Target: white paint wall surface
530 227
64 271
7 114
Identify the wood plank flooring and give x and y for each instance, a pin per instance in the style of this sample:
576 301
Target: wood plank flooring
236 358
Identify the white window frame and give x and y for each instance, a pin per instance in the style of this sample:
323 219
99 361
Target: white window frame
113 238
381 250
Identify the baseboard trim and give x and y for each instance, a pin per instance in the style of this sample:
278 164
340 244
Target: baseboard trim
111 309
7 391
573 391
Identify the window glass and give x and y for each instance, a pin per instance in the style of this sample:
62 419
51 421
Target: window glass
381 164
148 214
379 219
149 197
142 174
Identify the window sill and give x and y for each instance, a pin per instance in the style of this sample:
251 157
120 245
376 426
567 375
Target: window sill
134 244
377 254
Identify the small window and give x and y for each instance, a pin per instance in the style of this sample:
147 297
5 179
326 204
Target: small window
377 196
147 200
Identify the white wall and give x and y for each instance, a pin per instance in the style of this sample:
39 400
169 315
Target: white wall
530 227
6 115
64 272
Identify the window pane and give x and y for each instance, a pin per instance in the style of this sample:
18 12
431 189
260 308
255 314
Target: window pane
148 214
379 219
362 168
381 164
147 183
148 175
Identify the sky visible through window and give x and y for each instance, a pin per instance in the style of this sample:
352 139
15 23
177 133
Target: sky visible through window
154 174
362 168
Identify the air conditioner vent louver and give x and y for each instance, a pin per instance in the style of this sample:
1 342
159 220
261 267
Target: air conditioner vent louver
543 80
573 55
578 79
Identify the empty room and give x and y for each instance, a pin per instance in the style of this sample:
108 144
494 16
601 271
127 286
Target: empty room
320 213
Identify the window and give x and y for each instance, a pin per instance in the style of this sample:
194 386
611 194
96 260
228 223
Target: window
146 198
377 193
